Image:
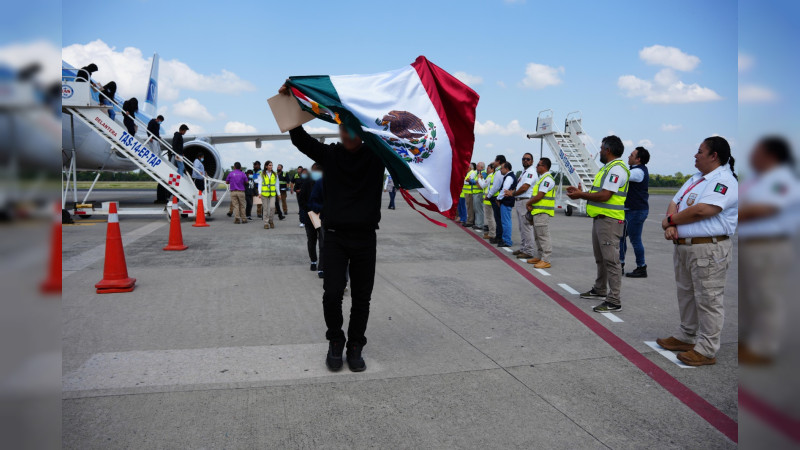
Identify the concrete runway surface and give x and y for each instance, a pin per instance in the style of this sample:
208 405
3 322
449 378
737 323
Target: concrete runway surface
223 345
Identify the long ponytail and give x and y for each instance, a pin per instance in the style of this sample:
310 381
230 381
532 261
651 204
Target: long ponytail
718 145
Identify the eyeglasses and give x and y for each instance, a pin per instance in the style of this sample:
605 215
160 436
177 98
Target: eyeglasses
527 159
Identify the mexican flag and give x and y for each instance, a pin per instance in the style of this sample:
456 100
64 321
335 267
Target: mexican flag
419 119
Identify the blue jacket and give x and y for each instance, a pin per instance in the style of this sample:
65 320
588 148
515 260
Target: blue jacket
315 200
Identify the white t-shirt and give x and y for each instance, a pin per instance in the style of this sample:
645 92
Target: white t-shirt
507 181
718 188
529 177
616 178
547 185
778 188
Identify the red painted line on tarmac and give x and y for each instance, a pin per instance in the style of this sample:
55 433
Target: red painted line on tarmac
767 413
696 403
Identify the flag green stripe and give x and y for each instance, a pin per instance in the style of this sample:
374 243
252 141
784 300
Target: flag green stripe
321 90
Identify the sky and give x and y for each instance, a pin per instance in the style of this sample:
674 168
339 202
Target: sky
663 75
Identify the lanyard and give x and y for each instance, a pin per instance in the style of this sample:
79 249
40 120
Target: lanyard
690 188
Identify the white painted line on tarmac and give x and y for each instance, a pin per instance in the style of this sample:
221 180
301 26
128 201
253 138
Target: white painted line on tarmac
543 272
612 317
523 259
667 354
567 288
508 249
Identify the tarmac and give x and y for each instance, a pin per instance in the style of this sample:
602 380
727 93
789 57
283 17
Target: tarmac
223 345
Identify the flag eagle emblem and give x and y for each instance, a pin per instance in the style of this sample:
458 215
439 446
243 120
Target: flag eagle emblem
411 140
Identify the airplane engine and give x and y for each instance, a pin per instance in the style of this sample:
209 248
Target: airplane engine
212 161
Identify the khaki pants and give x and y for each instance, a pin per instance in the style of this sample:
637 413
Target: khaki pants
764 270
700 271
477 206
525 228
237 206
488 215
284 208
268 209
606 234
541 233
470 209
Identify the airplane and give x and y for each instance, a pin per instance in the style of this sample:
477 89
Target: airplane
92 153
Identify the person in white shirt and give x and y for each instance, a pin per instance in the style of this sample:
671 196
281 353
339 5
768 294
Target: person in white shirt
198 172
527 178
700 220
388 186
506 202
768 227
477 196
494 190
485 182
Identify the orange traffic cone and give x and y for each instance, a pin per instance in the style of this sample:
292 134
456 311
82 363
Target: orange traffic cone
200 216
115 271
175 235
214 196
52 284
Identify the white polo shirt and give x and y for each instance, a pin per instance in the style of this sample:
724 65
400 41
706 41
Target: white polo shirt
718 188
529 177
778 188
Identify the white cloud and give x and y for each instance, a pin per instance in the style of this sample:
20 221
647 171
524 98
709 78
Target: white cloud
19 55
628 143
539 76
192 109
490 145
469 80
320 130
239 127
665 88
746 62
753 93
672 57
646 143
490 127
130 69
670 127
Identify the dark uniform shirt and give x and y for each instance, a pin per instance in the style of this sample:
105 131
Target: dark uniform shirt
177 143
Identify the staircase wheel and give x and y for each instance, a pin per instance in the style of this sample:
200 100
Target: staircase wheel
568 210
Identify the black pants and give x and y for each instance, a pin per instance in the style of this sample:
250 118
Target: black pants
356 249
315 237
248 204
498 222
162 194
199 184
130 125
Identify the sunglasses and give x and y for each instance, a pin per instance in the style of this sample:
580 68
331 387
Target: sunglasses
527 159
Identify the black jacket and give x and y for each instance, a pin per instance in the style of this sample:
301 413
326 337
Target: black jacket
177 143
352 185
153 127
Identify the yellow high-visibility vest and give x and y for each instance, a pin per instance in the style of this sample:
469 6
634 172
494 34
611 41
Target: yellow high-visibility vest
615 206
547 204
468 189
490 178
268 184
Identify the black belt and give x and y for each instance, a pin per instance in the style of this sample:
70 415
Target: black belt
700 240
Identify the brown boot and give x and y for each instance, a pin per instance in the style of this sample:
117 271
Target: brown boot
266 226
271 225
692 358
542 265
748 357
673 344
486 236
533 260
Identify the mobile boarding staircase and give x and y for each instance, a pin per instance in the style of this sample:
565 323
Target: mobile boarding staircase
80 100
576 163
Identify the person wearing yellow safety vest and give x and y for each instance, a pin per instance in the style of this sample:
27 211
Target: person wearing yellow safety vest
469 182
269 188
606 204
477 196
486 183
542 207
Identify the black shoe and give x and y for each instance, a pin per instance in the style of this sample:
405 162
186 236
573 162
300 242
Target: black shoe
493 241
354 359
230 214
606 307
469 225
281 217
321 274
639 272
314 267
502 244
334 359
592 294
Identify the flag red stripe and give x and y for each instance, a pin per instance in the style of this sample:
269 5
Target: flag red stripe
455 103
409 198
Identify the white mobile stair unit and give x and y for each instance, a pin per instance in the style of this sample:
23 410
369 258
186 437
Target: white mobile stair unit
576 163
81 105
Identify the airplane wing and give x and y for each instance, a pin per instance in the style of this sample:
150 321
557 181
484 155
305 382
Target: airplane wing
214 139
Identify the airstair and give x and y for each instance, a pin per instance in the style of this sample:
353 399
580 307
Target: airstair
80 100
576 163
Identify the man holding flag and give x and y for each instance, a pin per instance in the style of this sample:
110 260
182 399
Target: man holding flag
418 123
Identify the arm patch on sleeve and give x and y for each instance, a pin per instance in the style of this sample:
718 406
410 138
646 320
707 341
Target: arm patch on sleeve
721 188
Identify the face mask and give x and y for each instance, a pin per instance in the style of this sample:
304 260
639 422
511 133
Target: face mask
316 175
304 176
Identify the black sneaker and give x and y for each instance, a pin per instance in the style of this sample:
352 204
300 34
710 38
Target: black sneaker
281 217
592 294
230 214
313 267
606 307
334 359
321 274
493 241
502 244
639 272
354 359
